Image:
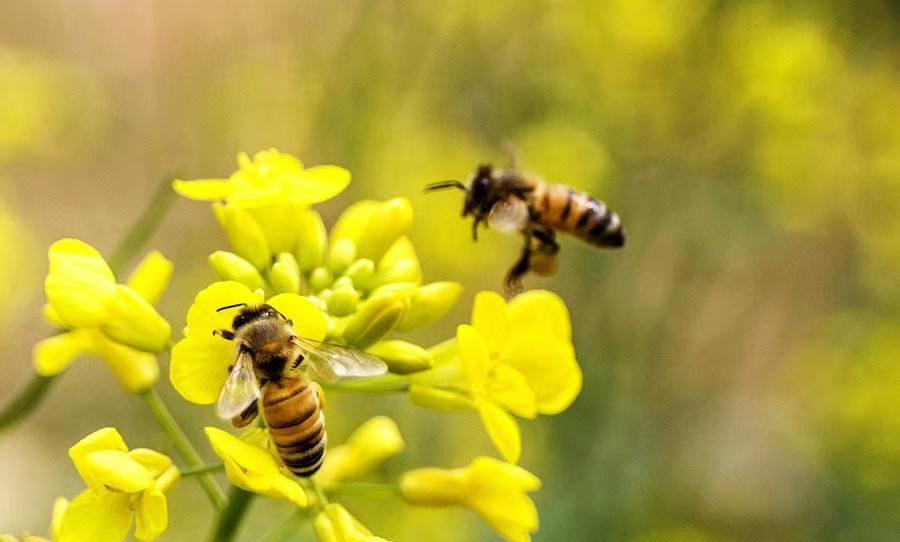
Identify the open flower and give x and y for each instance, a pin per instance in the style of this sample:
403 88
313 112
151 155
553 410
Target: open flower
494 490
373 442
335 524
253 468
124 487
200 360
115 322
515 358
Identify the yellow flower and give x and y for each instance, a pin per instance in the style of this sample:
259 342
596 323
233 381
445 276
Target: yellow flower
253 468
369 446
270 178
513 359
200 360
124 487
494 490
115 322
335 524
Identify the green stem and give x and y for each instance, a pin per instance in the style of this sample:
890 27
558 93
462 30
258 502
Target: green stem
30 398
143 228
183 445
319 492
137 236
230 518
378 385
204 469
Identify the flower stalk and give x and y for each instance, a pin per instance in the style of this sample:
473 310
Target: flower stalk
27 401
231 516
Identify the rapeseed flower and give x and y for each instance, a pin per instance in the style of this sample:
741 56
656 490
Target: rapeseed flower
514 359
200 360
335 524
115 322
370 445
253 468
494 490
124 488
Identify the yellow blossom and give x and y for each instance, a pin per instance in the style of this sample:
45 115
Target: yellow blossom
253 468
115 322
124 487
269 178
515 358
369 446
200 360
335 524
494 490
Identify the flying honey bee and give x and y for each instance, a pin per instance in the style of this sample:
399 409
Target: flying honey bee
512 200
269 373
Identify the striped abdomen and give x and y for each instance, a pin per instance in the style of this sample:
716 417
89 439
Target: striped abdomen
564 209
296 423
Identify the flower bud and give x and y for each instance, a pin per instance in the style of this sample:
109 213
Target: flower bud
320 278
312 240
429 304
342 282
399 264
438 399
343 301
373 320
341 255
335 524
284 276
369 446
134 322
230 266
373 225
151 276
402 357
244 235
361 273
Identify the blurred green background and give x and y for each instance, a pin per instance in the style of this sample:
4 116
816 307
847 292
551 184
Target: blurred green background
740 355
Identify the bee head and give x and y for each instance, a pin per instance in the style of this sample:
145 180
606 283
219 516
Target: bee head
250 314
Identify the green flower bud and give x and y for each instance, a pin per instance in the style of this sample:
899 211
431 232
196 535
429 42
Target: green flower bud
312 240
343 300
429 304
341 255
399 264
401 289
325 295
402 357
135 322
342 282
373 320
244 235
320 278
278 224
361 273
230 266
438 399
284 276
373 225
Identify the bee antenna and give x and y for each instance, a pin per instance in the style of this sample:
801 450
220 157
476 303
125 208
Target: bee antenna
225 308
443 185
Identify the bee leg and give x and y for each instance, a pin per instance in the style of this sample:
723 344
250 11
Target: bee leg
297 361
475 228
320 393
248 415
547 240
519 269
224 333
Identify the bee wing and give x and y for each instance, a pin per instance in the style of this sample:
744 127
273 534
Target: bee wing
510 214
331 363
240 390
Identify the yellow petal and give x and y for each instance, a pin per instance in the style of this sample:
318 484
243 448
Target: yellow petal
79 284
283 487
247 456
60 504
115 470
151 277
308 321
318 184
370 445
54 354
278 224
502 429
550 369
203 189
474 355
509 388
245 236
199 367
155 462
98 517
203 318
134 322
136 371
152 516
489 316
107 438
312 240
542 311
